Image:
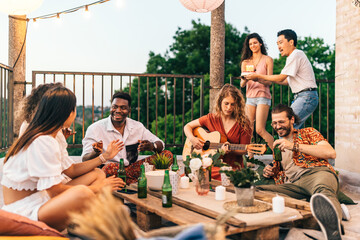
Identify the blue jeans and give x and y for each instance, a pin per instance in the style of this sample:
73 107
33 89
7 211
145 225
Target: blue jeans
304 104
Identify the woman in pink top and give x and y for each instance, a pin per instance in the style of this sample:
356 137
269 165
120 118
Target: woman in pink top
258 98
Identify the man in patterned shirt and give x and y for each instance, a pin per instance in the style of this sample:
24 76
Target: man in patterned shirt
304 171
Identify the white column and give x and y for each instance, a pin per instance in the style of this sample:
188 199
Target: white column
347 86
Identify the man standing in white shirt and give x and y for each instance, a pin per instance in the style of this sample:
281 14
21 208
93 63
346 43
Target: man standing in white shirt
132 133
297 73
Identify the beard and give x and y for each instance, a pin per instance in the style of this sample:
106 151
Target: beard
118 119
285 131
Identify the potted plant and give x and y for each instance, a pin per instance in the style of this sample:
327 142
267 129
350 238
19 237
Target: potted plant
155 178
161 162
243 180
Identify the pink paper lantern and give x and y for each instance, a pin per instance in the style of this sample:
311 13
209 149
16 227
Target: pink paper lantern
19 7
201 6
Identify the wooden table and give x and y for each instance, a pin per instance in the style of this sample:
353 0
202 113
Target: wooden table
150 212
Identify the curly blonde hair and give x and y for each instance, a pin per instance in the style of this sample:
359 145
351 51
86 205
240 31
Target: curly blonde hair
239 110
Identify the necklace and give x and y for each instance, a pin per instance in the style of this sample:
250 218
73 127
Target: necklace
255 65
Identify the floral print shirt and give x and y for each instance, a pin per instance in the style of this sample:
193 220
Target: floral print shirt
309 136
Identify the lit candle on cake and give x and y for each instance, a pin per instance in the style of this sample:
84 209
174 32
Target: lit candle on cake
249 68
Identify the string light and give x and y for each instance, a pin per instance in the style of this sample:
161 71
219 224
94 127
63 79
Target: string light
57 14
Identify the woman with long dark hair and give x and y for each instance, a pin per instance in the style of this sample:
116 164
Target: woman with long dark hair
33 167
258 98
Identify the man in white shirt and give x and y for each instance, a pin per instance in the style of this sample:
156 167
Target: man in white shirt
132 133
298 74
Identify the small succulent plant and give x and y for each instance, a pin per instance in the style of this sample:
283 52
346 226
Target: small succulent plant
161 162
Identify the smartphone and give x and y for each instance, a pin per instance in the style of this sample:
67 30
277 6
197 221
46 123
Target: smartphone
127 191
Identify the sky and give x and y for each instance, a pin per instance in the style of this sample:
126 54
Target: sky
119 39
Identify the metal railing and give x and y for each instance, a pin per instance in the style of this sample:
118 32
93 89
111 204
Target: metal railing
6 107
162 102
323 118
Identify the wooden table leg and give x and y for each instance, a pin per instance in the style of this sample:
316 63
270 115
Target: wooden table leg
267 233
147 220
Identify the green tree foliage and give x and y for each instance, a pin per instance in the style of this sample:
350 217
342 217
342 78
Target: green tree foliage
190 54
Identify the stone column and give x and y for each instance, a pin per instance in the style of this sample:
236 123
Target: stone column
217 52
347 86
17 32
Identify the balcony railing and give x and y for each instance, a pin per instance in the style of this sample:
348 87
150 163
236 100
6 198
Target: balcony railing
323 118
164 103
6 107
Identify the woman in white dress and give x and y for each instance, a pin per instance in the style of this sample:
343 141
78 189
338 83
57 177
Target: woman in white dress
32 173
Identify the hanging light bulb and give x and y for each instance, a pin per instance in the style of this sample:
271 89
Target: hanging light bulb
201 6
35 23
58 19
87 13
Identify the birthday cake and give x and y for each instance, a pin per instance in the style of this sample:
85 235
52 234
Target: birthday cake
248 70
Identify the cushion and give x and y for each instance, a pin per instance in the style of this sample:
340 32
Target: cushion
263 180
343 198
15 225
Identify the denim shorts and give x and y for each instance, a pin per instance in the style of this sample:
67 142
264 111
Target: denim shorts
257 101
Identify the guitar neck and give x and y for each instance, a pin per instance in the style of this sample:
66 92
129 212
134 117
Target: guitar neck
232 147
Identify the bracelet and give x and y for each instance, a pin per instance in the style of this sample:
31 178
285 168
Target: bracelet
295 147
102 158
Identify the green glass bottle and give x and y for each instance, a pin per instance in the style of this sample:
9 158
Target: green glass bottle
121 171
142 183
175 166
277 151
166 191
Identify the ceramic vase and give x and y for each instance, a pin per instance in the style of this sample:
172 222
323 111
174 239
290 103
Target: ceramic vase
202 186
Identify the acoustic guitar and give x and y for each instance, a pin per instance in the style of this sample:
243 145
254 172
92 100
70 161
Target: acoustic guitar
214 141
